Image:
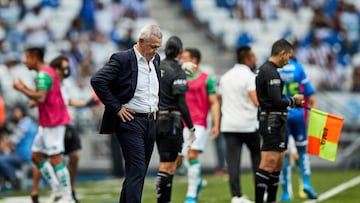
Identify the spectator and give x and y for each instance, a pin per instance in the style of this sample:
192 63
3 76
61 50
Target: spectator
103 18
356 80
349 20
20 142
35 27
10 14
321 24
316 53
332 78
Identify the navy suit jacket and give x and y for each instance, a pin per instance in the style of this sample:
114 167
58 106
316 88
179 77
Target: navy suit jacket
115 85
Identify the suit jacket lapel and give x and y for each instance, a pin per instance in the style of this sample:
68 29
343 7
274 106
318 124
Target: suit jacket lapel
134 68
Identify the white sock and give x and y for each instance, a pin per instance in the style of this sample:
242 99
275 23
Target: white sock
193 178
63 175
47 171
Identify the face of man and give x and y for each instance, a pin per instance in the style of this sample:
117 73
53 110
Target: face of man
150 47
65 68
285 57
30 61
252 60
186 57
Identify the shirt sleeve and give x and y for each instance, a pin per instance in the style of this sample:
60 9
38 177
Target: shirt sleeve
43 81
179 85
251 83
211 85
274 90
308 88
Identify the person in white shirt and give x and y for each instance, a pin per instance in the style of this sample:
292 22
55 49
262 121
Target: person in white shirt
239 123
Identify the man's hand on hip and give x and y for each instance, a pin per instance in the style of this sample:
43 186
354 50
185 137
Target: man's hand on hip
126 114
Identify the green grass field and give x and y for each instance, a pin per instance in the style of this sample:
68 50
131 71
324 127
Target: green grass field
216 191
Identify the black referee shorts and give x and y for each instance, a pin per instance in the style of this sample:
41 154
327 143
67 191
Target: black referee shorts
273 129
169 137
72 140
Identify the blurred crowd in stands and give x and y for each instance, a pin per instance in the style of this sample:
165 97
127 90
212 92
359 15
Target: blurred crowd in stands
330 43
89 31
86 31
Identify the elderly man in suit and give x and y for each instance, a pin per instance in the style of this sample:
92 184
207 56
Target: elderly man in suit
128 86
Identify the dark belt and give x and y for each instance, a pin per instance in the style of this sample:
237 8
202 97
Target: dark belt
281 113
150 115
176 112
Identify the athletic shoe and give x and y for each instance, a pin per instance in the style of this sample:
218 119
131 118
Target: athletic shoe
285 197
242 199
200 186
190 200
310 192
302 194
34 198
54 198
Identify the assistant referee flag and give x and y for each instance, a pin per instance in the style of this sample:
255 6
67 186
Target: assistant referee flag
323 134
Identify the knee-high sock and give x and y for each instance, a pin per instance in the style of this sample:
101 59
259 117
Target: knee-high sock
273 186
261 184
164 187
64 178
47 171
285 180
304 165
194 179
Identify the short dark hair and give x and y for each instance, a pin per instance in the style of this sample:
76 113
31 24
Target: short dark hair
38 52
281 45
173 47
194 53
242 53
57 62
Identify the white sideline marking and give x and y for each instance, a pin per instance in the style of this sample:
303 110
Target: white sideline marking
336 190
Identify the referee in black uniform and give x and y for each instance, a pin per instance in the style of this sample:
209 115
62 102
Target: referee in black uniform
172 110
273 120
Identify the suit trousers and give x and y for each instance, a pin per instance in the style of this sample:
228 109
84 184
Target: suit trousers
234 142
136 138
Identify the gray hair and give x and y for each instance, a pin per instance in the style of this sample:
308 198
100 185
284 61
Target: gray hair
150 30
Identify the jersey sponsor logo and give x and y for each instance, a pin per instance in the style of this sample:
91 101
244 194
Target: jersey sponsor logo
180 82
275 82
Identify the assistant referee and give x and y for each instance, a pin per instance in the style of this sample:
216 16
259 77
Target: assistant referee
172 110
273 120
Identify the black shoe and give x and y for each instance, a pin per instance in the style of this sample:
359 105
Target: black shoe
35 198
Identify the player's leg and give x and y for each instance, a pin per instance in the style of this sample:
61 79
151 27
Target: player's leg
285 179
72 146
195 183
39 159
73 170
36 177
54 140
304 159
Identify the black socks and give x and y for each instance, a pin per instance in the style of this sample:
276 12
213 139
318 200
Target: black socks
164 187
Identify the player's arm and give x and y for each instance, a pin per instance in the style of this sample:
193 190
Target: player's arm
77 103
36 95
214 106
312 101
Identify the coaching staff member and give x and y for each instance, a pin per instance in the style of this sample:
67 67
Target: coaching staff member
173 110
128 86
273 120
